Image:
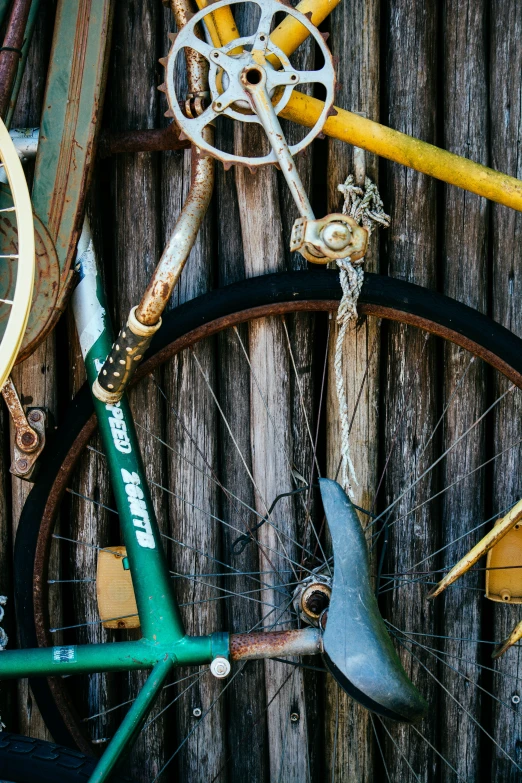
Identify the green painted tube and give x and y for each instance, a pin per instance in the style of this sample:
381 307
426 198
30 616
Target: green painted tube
110 656
133 721
157 607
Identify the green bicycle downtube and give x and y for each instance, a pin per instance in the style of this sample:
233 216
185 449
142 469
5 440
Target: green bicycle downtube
157 607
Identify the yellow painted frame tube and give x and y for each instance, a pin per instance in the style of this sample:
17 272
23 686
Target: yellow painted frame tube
371 136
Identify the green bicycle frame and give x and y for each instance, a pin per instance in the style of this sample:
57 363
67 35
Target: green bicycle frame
164 643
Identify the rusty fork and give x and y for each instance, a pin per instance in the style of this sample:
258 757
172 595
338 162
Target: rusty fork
145 319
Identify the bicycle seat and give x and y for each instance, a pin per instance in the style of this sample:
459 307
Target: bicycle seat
358 651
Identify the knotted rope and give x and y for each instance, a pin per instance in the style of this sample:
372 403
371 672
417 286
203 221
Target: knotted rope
366 207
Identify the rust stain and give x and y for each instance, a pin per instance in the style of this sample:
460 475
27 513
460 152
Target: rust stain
71 117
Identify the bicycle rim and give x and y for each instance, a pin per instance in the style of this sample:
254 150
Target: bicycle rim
445 650
17 259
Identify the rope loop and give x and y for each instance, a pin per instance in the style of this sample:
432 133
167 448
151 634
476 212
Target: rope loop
367 208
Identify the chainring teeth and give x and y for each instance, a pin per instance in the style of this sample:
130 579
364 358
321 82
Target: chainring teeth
183 39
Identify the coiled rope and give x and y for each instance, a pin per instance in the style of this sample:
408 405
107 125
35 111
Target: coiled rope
366 207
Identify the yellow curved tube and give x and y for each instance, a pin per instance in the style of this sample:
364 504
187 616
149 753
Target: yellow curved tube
361 132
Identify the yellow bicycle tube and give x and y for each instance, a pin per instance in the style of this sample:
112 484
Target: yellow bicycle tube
371 136
23 293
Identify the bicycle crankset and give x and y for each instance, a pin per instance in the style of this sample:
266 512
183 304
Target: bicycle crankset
252 80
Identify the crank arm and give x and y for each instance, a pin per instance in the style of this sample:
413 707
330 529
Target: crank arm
319 241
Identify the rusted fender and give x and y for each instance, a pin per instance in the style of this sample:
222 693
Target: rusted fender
70 120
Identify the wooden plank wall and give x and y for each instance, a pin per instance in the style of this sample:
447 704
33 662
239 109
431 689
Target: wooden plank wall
447 72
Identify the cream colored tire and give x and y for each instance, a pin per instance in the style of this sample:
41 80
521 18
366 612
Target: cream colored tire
20 303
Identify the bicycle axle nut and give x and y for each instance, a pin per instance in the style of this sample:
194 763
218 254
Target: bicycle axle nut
220 667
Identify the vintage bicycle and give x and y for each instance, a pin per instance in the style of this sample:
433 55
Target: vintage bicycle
300 582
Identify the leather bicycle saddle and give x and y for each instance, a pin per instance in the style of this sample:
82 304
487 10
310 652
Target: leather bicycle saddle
358 651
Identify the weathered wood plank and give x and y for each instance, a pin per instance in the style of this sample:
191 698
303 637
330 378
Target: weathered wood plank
506 130
354 38
135 218
465 278
261 210
191 421
246 697
408 395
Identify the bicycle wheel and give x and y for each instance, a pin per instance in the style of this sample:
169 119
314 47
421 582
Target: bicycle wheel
17 264
249 358
26 760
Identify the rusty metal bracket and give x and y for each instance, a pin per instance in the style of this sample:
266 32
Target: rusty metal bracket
29 439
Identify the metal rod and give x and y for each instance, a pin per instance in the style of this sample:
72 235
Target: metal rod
273 644
180 243
262 105
147 140
29 30
11 50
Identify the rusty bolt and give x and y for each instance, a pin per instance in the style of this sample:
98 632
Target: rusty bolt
35 416
317 602
28 439
294 717
21 464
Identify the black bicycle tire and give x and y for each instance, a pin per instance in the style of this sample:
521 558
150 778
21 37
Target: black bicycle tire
467 326
27 760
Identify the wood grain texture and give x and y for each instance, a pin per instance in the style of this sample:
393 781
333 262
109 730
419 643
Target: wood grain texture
506 132
190 423
261 209
354 38
465 279
409 399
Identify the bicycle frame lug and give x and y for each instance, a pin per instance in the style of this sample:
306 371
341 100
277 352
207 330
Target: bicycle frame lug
220 668
326 239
